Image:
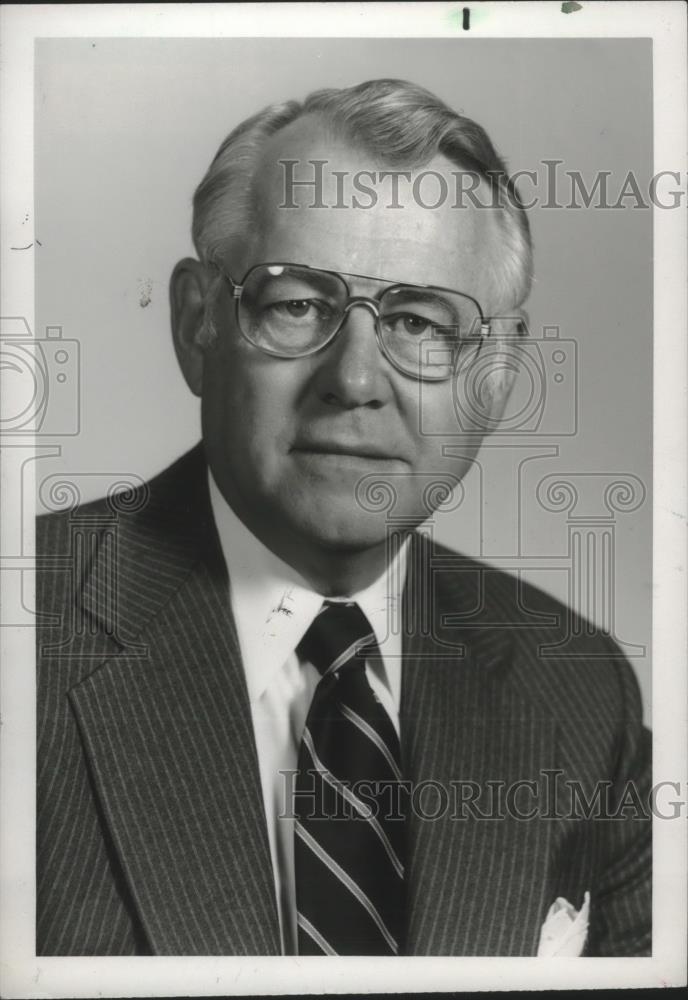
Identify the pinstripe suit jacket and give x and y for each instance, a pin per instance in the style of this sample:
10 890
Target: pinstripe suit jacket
151 830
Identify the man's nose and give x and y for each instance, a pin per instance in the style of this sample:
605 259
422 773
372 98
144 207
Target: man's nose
351 372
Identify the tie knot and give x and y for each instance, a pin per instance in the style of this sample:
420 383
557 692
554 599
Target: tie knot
339 638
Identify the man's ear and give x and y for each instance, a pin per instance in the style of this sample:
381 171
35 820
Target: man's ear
188 288
492 377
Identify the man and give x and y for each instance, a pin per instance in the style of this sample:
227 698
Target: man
279 719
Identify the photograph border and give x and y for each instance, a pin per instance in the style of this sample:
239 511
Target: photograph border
24 974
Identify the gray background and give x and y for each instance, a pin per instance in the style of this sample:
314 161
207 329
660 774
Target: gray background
125 128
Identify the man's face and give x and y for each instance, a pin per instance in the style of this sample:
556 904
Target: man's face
289 440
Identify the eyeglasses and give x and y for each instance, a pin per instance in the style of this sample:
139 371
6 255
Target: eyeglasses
293 310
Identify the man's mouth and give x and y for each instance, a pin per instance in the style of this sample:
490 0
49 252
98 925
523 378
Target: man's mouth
344 449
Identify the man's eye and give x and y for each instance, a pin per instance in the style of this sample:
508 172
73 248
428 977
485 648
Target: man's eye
297 308
407 323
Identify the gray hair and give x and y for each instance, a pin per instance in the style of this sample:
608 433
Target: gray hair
403 123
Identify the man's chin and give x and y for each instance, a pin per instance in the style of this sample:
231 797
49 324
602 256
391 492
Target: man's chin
345 520
343 530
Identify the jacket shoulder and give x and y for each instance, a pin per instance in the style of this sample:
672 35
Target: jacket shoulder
556 657
171 509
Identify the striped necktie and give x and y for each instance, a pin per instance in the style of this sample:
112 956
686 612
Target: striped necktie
349 810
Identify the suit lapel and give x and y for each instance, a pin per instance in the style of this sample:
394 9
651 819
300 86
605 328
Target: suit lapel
169 738
476 885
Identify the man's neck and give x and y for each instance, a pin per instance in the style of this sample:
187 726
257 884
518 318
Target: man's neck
334 573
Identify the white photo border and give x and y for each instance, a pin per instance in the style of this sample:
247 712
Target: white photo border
25 975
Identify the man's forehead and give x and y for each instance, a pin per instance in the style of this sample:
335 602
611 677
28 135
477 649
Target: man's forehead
312 161
419 227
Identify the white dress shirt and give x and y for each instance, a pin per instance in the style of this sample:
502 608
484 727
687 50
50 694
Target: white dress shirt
273 608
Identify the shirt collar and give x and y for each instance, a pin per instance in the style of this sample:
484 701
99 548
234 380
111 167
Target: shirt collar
274 606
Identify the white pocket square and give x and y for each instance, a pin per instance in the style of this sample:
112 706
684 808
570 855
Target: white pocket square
565 929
